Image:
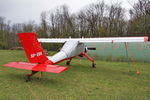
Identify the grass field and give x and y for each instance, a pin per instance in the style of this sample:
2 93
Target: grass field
109 81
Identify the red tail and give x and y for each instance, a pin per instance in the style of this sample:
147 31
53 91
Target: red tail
32 47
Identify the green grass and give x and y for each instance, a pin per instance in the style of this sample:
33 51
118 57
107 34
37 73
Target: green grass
109 81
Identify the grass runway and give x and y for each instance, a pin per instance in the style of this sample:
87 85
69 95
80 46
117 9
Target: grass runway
108 81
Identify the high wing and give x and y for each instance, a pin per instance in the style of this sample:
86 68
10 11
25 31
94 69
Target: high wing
94 40
37 67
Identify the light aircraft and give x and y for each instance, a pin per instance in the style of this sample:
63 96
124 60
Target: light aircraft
72 47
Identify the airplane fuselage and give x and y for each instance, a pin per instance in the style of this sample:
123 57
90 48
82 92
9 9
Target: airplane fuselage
70 49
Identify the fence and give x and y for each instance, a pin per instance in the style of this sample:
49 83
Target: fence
117 51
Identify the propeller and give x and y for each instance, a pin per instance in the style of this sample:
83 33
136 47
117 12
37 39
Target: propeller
91 48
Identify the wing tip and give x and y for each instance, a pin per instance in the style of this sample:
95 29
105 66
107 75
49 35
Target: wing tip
145 39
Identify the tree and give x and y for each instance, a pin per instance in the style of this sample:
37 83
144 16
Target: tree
140 15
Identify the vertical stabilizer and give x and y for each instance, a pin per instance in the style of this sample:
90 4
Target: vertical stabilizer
32 47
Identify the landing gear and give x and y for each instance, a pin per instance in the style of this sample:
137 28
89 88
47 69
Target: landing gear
93 65
88 57
68 63
28 79
40 75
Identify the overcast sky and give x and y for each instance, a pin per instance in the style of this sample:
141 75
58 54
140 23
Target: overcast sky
19 11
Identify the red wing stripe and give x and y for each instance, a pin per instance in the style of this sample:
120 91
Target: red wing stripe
37 67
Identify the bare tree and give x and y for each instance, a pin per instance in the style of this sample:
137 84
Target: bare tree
140 15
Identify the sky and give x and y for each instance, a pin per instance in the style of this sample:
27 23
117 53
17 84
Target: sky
19 11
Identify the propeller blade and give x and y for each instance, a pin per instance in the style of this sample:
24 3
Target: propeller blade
91 48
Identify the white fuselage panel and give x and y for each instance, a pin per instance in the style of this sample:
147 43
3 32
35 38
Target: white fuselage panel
69 49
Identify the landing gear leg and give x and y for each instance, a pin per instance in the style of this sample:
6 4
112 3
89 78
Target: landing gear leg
40 75
88 57
30 75
68 62
93 65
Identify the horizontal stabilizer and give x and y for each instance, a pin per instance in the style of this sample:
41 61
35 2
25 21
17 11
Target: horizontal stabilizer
37 67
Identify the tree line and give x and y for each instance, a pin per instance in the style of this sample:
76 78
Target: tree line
95 20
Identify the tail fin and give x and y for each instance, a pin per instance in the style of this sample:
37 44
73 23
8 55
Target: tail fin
32 47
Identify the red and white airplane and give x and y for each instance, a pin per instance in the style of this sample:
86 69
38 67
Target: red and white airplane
72 47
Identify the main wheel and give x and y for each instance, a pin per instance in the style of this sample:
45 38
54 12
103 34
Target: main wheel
93 65
68 63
